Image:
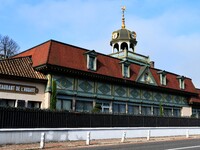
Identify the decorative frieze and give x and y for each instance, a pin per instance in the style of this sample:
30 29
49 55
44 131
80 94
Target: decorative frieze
116 92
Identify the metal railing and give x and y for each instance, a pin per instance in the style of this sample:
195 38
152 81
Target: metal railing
30 118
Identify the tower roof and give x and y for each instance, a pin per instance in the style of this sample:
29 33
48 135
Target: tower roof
123 33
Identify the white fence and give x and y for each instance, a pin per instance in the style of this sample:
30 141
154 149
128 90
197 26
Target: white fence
17 136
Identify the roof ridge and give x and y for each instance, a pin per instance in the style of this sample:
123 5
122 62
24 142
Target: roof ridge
15 58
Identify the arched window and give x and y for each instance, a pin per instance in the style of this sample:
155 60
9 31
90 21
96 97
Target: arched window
132 47
124 46
116 47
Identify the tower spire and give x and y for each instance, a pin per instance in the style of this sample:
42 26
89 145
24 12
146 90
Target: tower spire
123 19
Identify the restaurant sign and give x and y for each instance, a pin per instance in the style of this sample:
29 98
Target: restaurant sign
18 88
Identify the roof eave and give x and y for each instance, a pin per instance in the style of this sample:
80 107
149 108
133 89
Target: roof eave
56 69
22 78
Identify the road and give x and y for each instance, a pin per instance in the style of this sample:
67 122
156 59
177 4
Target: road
191 144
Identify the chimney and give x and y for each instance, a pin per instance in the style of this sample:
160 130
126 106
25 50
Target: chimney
152 63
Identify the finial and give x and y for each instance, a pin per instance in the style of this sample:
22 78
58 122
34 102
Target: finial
123 19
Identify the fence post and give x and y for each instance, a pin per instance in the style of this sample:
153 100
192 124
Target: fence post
42 140
148 134
187 133
88 138
123 137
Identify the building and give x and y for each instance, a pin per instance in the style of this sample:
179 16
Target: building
122 82
20 84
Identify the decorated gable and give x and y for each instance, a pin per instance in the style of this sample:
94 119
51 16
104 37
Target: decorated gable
145 76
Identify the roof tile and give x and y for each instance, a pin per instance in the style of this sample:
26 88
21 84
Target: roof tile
20 67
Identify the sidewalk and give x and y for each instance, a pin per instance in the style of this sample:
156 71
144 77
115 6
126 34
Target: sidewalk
70 145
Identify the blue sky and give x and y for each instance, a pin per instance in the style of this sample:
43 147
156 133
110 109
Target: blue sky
167 30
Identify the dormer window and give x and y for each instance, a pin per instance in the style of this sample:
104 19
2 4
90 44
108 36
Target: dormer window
91 60
146 78
91 63
125 69
163 78
181 80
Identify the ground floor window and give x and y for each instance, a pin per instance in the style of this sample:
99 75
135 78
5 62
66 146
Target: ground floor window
133 109
167 111
84 106
33 104
63 104
7 103
146 110
21 103
195 112
105 106
119 108
176 112
157 111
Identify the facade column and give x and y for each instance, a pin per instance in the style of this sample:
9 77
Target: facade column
94 103
120 43
125 52
46 102
26 103
111 105
16 102
74 104
129 44
140 109
152 110
113 48
126 108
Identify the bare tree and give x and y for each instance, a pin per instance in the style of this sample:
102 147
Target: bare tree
8 47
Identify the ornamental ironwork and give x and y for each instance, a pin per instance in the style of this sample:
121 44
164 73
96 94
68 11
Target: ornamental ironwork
147 95
158 96
120 91
135 93
104 88
85 86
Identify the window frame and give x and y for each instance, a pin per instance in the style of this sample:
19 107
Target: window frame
181 80
163 77
7 102
34 104
62 104
91 59
126 65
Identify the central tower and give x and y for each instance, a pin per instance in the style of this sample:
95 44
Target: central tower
123 39
123 44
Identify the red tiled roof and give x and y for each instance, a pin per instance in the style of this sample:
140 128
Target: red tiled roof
68 56
196 99
172 81
20 67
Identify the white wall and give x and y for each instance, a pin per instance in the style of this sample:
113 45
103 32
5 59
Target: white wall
40 96
16 136
186 111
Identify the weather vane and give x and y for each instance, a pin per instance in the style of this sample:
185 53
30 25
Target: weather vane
123 19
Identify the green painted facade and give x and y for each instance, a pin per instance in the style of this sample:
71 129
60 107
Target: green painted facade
116 97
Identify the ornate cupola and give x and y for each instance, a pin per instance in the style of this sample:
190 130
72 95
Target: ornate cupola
123 39
123 44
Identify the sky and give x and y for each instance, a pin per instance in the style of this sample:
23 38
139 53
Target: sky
167 30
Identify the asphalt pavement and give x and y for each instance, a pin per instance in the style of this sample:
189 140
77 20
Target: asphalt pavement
192 144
